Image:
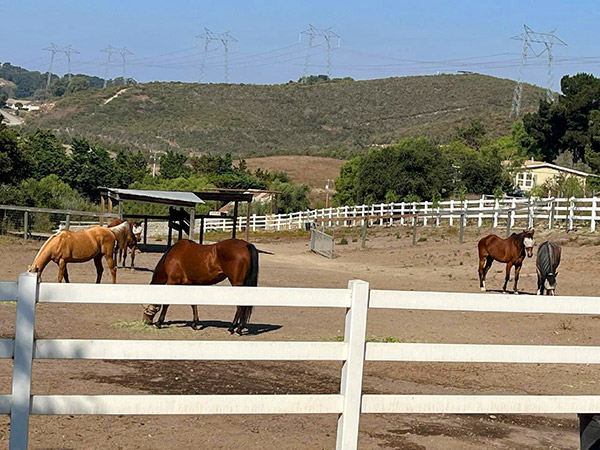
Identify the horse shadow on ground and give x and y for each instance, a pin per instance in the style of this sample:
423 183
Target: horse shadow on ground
500 291
252 329
137 269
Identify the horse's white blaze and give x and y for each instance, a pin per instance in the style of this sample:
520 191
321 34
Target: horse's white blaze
137 230
528 242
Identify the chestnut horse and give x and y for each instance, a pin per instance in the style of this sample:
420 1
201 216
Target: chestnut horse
127 241
79 246
511 251
190 263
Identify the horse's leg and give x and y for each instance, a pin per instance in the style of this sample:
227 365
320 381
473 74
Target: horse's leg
517 271
66 274
62 264
99 268
196 319
161 318
507 278
488 263
236 320
540 283
133 257
111 265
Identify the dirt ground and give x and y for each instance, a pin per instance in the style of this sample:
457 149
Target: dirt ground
437 263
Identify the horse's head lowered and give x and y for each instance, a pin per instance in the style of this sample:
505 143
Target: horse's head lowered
528 241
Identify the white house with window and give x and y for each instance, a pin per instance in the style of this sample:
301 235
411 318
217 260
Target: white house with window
536 173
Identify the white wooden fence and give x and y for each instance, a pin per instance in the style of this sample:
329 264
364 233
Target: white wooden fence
485 211
349 404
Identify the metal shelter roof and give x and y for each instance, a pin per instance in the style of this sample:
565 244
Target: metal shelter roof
176 198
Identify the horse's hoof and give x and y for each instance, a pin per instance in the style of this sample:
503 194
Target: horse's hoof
194 326
482 289
239 331
158 325
516 293
231 330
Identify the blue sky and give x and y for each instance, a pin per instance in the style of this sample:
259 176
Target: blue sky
378 38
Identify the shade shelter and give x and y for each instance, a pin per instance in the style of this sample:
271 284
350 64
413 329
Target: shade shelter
182 207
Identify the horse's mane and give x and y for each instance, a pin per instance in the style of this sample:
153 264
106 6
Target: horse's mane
545 258
40 252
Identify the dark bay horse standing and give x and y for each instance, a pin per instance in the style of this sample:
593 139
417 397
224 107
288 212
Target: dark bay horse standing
547 261
190 263
511 251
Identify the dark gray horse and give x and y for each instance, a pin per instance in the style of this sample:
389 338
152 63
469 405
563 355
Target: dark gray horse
548 259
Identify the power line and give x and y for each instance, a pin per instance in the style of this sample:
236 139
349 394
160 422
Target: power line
530 37
222 38
328 35
110 50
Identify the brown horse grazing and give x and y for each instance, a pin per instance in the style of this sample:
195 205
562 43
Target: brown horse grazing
127 241
511 251
77 246
190 263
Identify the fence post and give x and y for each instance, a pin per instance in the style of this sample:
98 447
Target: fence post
496 208
402 213
425 215
509 219
480 216
530 214
593 224
571 212
415 222
451 212
363 234
25 224
461 232
27 296
68 221
551 215
352 370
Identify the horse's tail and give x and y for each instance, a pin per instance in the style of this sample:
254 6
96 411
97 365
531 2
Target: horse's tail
252 273
159 276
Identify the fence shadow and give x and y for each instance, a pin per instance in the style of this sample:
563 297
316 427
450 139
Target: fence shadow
253 329
500 291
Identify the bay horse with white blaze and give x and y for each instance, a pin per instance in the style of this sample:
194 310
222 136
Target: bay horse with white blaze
68 246
194 264
511 251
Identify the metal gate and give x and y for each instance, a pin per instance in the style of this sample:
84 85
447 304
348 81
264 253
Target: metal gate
321 243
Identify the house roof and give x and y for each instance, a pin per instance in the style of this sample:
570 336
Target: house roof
533 165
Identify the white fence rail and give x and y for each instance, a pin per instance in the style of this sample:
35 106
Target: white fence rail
567 212
348 404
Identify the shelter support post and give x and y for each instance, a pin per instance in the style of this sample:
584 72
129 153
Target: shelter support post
145 230
201 238
235 215
192 223
102 208
68 221
248 212
414 239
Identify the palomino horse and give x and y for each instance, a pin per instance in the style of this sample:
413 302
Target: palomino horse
511 251
547 261
129 240
190 263
80 246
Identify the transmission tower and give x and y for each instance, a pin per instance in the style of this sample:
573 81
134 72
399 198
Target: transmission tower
328 36
124 52
530 37
110 50
67 51
54 49
221 39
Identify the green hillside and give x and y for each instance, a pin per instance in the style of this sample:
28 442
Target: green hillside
329 118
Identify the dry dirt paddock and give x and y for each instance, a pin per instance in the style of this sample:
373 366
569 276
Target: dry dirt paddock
438 263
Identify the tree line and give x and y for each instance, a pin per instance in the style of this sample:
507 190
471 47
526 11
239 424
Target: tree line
39 170
565 132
